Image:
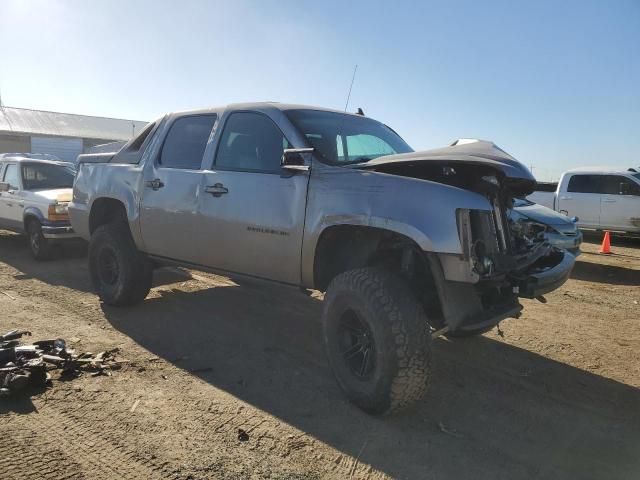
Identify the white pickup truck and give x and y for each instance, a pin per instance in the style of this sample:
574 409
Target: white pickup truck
601 199
35 190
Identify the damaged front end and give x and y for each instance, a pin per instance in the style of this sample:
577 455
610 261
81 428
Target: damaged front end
501 261
503 257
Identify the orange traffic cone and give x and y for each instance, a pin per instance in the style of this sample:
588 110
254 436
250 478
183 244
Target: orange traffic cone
606 244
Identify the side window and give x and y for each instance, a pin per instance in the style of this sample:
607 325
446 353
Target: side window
584 184
186 141
619 185
251 141
12 176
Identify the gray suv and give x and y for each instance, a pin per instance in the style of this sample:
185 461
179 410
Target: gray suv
407 245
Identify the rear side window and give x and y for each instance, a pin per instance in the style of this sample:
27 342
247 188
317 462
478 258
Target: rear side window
251 142
584 184
12 176
186 141
619 185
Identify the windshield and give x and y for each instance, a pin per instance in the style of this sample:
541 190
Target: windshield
637 175
340 138
45 176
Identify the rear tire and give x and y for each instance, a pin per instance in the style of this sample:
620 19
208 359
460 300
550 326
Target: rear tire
120 274
377 340
40 247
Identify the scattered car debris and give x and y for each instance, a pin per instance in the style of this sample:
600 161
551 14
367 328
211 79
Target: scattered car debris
22 365
243 436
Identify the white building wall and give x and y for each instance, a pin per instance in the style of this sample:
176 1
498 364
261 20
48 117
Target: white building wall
64 148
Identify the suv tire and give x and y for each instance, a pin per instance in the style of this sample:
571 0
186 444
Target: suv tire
121 275
377 340
40 247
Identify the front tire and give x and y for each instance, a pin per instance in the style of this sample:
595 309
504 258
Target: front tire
40 247
377 340
121 275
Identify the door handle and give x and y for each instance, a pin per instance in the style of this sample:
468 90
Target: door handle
155 184
564 197
609 200
216 190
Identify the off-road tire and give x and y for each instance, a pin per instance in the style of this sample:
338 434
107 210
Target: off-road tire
132 281
386 306
40 247
469 333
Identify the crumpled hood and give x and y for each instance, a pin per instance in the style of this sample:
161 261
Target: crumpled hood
59 194
475 152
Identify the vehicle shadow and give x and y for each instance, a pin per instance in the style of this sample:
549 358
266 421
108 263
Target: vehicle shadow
21 402
67 269
494 410
603 273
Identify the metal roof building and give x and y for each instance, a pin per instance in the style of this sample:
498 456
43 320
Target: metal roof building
65 135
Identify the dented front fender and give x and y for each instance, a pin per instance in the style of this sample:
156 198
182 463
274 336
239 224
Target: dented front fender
421 210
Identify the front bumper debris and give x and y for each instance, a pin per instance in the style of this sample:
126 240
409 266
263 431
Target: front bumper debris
546 275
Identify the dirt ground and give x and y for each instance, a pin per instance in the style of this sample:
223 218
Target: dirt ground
558 396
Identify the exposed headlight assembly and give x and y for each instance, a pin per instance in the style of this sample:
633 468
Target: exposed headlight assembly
478 240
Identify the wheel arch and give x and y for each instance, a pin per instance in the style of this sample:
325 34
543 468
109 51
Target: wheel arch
32 213
106 210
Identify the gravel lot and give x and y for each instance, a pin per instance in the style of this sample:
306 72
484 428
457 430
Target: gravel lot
558 396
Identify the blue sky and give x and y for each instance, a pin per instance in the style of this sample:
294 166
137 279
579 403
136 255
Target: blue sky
555 83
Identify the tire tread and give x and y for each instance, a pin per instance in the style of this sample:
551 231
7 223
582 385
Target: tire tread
389 293
138 276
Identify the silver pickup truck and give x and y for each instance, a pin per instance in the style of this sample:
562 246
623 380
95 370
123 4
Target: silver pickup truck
407 245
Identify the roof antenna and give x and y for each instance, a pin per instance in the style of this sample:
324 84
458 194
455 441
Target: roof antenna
350 87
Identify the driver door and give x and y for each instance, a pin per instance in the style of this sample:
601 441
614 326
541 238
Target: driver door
11 202
251 210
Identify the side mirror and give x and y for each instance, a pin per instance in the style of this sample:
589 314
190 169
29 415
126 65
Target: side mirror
4 187
625 188
296 159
